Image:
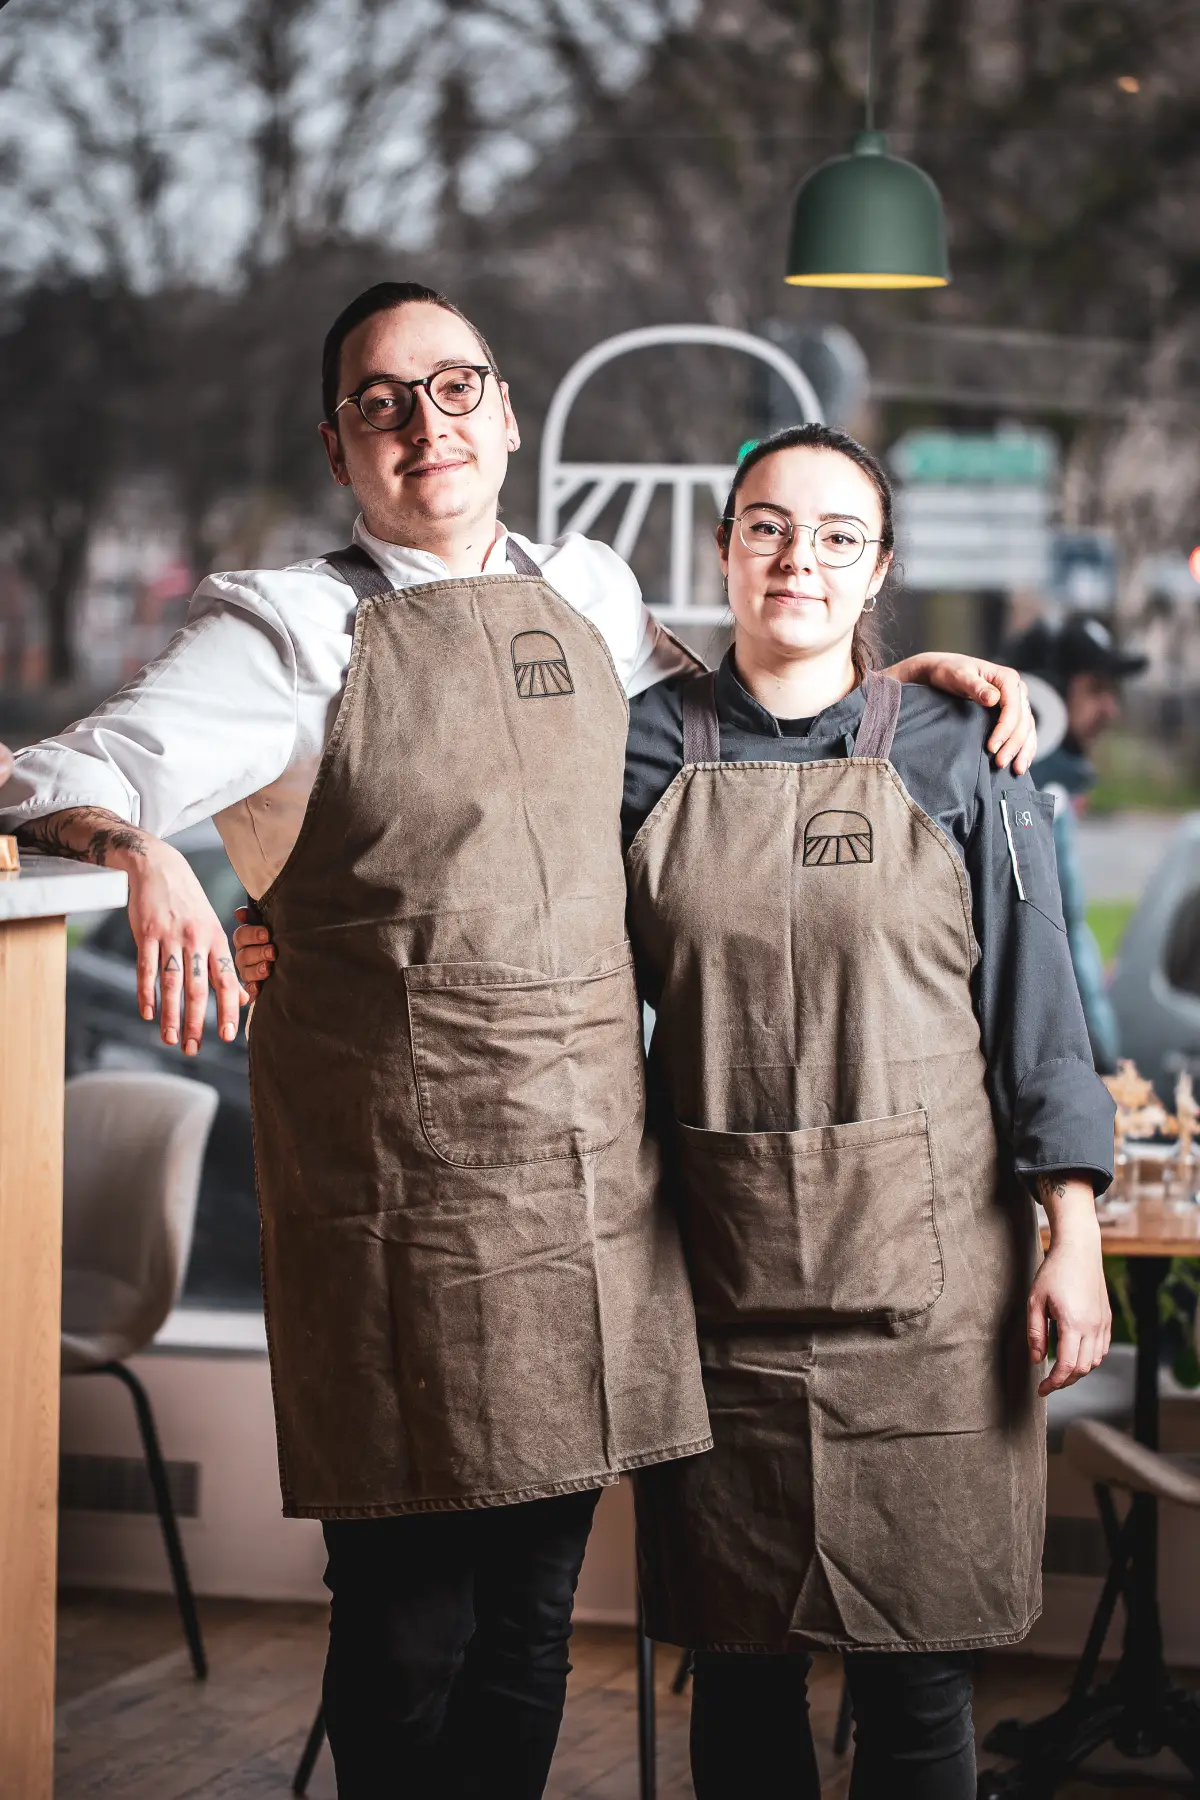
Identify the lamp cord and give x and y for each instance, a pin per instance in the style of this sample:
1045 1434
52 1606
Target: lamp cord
870 65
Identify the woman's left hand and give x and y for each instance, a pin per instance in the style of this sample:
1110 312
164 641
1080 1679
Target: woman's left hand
1014 736
1070 1287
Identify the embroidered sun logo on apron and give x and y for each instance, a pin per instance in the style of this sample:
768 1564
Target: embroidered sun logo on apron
838 837
540 666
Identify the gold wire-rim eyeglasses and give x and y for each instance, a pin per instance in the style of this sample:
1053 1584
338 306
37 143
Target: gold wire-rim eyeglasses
792 526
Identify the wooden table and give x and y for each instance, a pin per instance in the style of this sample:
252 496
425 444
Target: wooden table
1139 1710
33 954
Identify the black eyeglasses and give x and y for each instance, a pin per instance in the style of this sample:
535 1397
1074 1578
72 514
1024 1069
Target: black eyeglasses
387 403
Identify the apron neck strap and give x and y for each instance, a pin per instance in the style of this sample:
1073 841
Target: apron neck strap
521 561
877 727
701 728
702 732
359 570
361 573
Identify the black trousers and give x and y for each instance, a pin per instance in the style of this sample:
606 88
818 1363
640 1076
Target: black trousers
447 1667
913 1733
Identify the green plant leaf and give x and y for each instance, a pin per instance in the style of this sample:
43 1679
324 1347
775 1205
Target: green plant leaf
1185 1365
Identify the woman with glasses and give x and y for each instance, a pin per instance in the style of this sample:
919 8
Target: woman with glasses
868 1051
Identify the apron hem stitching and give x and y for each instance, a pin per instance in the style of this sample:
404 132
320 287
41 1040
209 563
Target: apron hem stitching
507 1497
801 1640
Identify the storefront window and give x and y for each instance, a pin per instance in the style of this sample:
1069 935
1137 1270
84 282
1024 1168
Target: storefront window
104 1031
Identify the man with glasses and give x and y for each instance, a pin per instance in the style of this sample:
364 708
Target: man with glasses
478 1316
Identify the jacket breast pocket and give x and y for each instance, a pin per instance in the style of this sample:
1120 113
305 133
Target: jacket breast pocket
1029 826
515 1067
793 1227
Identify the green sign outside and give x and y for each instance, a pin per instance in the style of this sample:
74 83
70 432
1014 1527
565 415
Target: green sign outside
1013 458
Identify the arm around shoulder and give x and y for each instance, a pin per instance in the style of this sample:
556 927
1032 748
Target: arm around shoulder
1013 740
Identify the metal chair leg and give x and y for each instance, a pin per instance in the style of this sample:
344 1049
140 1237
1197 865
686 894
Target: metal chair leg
845 1718
309 1754
647 1757
680 1678
166 1512
1120 1547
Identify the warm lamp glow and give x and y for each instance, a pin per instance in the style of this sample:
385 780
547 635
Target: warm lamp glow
867 281
1194 563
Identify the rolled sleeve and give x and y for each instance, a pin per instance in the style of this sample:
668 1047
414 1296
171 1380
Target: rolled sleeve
209 722
1050 1104
52 776
1061 1123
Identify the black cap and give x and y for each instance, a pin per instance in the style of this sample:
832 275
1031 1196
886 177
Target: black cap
1082 645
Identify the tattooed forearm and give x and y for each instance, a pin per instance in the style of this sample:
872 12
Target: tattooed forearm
1051 1187
84 834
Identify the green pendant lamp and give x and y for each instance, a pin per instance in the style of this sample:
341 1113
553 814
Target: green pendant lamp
868 220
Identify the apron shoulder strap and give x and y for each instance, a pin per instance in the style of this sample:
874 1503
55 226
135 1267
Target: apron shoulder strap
361 573
521 560
877 727
701 729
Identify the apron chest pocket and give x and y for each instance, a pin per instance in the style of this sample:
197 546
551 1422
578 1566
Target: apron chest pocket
834 1223
514 1067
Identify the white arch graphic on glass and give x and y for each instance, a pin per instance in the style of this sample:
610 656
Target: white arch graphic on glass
592 485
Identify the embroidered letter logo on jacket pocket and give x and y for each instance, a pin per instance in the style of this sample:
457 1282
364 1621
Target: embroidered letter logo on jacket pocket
540 666
1029 828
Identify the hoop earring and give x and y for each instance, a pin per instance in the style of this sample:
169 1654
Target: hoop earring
871 604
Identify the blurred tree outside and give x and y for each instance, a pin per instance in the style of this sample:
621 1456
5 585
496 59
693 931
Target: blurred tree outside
193 189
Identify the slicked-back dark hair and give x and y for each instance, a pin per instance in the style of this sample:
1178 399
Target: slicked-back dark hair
385 296
864 646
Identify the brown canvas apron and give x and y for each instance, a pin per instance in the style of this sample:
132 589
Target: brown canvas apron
859 1264
472 1295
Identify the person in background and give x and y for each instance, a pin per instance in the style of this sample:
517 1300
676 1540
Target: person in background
1084 665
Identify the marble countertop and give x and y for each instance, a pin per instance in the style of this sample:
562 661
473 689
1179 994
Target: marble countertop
47 886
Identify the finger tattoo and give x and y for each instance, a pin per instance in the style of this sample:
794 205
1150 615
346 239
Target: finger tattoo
171 966
197 963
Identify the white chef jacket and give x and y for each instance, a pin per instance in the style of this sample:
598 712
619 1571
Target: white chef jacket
231 720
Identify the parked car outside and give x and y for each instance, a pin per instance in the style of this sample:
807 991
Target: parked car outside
1155 988
105 1031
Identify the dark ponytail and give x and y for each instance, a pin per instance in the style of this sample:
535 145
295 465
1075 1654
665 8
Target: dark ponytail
865 649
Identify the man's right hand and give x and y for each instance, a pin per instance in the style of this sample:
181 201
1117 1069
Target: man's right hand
253 952
181 946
